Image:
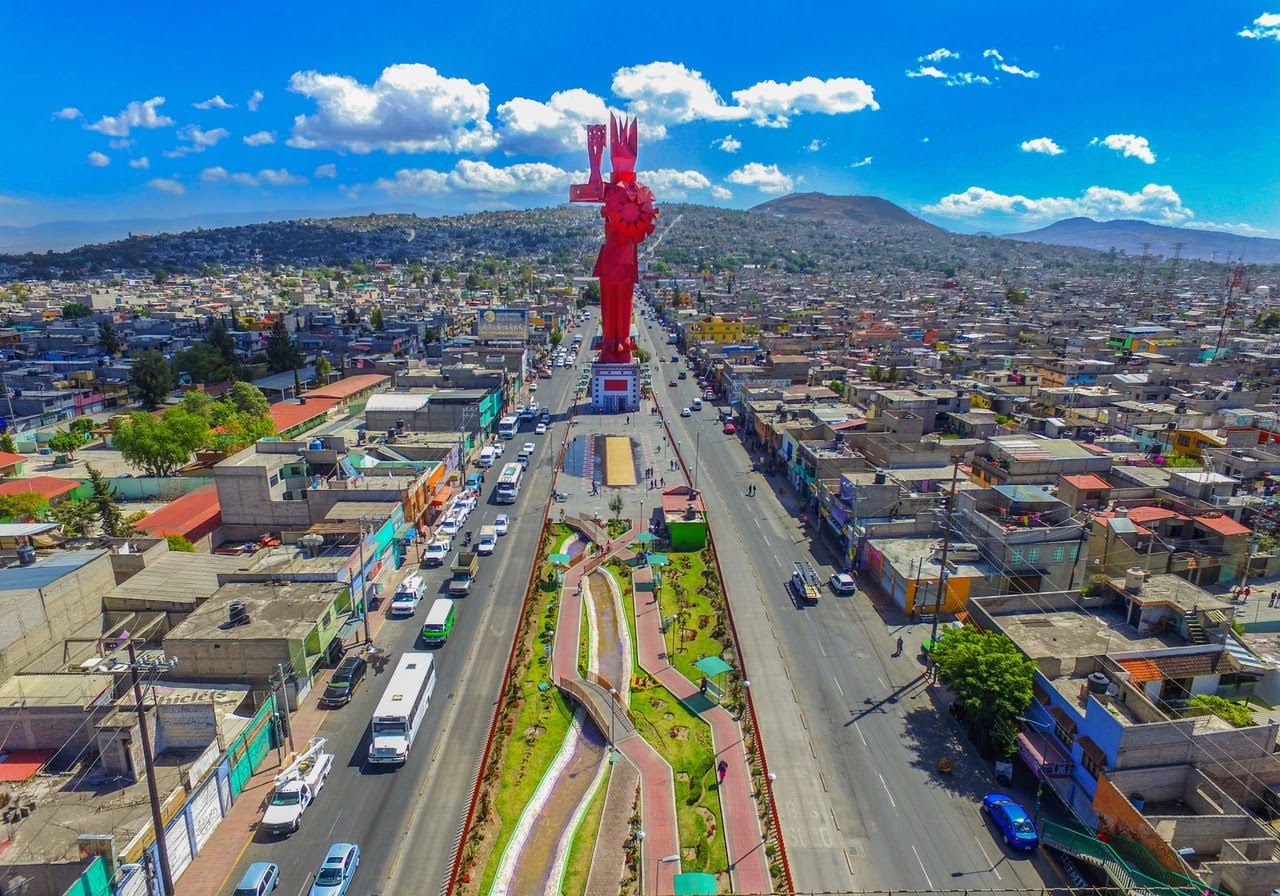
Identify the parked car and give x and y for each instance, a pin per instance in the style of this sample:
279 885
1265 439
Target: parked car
259 880
842 583
334 876
437 552
346 678
730 429
1011 820
449 526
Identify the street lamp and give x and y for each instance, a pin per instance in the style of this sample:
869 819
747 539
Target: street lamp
657 869
640 860
613 701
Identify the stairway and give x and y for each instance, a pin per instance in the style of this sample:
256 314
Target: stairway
1086 847
1194 630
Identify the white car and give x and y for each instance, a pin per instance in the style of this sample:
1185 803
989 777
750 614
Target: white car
498 448
449 526
540 429
437 552
528 448
502 524
685 412
533 387
842 583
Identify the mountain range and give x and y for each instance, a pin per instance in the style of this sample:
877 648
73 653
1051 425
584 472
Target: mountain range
868 211
1130 236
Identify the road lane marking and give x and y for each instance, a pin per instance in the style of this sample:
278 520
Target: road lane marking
838 688
848 860
823 649
988 858
922 868
860 737
833 818
885 785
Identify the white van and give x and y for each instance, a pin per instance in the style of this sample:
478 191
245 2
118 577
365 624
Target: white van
697 404
487 455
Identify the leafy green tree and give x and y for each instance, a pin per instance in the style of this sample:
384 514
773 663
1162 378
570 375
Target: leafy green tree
375 318
179 543
1232 713
77 518
105 508
220 338
7 443
75 310
160 447
323 370
248 399
282 352
593 292
555 338
152 379
65 442
203 363
82 426
990 678
23 505
109 338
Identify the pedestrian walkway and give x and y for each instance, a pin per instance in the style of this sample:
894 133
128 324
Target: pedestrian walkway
748 864
208 873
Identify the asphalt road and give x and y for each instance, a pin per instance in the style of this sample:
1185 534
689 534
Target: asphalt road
852 733
406 820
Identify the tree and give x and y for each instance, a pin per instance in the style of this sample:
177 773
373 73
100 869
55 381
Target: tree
323 369
220 338
23 505
179 543
109 338
7 443
990 678
105 508
75 310
375 318
248 399
152 378
241 418
203 363
1232 713
615 506
555 338
160 446
82 426
593 292
65 442
77 518
282 352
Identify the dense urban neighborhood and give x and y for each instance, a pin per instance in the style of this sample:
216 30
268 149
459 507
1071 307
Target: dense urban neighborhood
974 584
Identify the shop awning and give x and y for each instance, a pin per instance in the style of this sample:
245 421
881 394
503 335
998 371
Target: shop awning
1044 754
1242 655
442 496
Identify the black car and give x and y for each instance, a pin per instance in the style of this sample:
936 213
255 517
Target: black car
346 678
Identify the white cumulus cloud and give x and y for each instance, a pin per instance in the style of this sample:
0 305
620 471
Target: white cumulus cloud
1009 69
727 143
1128 145
927 71
524 177
772 104
1043 145
815 145
269 177
1153 202
670 183
260 138
99 159
197 140
530 127
325 171
722 193
68 112
1265 26
167 185
138 114
963 79
141 162
255 100
411 107
939 55
765 178
214 102
412 181
1241 229
864 163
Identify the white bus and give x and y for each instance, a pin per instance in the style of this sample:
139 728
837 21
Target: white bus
508 427
508 484
400 711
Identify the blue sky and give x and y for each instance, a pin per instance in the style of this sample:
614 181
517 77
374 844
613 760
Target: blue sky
978 116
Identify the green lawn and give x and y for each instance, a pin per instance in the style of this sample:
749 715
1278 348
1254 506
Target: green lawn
684 740
700 617
578 864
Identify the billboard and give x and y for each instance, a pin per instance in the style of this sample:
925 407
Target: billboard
502 323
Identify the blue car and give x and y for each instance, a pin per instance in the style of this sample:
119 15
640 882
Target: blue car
1012 820
334 876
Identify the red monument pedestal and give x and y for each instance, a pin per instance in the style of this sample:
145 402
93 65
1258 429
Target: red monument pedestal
615 387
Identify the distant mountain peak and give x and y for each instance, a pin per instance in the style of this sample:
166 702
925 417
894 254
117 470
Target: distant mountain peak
868 211
1129 236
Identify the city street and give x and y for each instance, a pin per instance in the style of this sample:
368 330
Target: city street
852 733
406 820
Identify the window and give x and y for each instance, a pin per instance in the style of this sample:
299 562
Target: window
1091 765
273 480
1015 555
1062 733
1184 441
1058 554
1033 555
1075 551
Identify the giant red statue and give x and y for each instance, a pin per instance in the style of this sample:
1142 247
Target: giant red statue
628 215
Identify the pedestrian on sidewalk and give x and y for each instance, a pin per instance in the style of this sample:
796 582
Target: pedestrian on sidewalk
721 770
702 686
662 482
898 652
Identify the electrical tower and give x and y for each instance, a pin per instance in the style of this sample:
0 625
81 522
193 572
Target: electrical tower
1173 270
1142 267
1228 306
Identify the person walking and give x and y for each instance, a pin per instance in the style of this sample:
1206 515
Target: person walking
721 770
898 652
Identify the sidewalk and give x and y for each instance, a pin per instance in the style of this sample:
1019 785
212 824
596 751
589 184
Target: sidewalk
210 871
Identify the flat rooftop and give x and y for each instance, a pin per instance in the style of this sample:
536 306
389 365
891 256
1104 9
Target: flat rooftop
179 578
285 611
46 570
1073 634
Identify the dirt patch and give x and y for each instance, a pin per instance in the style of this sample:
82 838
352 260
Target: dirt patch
682 777
709 819
680 732
704 621
668 716
689 854
657 702
535 731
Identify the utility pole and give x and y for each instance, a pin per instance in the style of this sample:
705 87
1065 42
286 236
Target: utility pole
284 693
157 820
946 546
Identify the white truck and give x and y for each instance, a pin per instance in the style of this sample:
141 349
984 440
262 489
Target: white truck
408 596
296 789
488 541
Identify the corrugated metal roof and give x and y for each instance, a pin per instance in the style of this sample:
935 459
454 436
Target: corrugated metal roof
46 570
396 401
18 530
